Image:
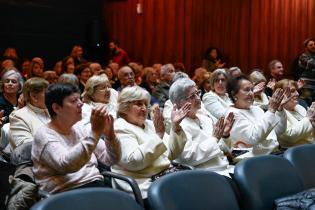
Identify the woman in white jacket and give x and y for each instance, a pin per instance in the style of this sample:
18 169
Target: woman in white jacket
146 150
205 138
300 123
253 127
217 100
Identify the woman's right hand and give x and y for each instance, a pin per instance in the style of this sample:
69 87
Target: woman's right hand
275 100
311 112
259 88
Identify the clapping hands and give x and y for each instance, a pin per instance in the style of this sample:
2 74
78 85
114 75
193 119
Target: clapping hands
223 126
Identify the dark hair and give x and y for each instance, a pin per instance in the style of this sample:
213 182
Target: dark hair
78 69
233 85
56 93
207 53
306 41
116 42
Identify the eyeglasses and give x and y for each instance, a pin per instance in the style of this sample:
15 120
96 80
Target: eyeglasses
195 95
102 88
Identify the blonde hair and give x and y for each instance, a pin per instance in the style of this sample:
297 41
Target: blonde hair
256 77
91 85
130 94
284 83
34 85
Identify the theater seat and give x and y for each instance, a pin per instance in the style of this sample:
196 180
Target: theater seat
87 199
302 158
263 179
189 190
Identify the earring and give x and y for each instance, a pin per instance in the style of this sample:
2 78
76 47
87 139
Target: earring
235 98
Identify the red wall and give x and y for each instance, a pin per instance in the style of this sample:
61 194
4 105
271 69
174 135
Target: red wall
249 33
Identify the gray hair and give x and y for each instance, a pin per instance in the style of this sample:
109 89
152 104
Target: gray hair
10 72
272 63
179 75
130 94
178 90
68 78
215 75
165 69
256 77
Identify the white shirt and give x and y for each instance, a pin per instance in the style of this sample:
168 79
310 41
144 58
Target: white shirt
215 104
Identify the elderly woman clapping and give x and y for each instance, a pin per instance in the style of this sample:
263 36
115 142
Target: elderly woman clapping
205 138
146 148
99 92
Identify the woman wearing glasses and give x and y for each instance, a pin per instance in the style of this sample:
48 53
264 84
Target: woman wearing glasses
99 92
217 100
146 150
205 138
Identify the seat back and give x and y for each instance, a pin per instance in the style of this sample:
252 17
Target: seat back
302 158
6 169
263 179
89 198
195 189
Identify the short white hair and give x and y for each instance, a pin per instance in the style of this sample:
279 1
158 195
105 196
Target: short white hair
130 94
178 90
9 72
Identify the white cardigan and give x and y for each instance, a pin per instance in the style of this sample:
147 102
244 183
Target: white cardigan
202 149
299 128
257 128
215 104
144 153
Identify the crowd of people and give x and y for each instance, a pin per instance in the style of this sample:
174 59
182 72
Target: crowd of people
59 125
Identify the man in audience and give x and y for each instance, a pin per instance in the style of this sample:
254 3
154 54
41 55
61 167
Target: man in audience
118 55
126 77
77 55
161 92
307 65
276 74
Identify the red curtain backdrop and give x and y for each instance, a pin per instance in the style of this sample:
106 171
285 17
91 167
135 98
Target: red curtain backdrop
249 33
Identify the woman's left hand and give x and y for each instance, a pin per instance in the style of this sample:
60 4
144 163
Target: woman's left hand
178 115
259 88
228 124
109 126
158 121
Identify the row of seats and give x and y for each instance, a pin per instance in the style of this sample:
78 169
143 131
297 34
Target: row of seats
259 181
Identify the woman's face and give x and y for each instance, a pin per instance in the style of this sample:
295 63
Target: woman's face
138 112
294 101
71 110
85 74
193 97
37 70
219 85
213 54
38 99
244 98
70 68
11 85
101 94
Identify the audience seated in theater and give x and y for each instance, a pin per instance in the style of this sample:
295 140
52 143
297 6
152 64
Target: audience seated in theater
117 54
307 66
217 100
115 81
68 65
83 72
11 53
199 75
50 76
138 70
161 90
212 59
96 68
25 67
98 92
205 137
276 74
109 73
126 77
300 123
7 64
68 78
254 128
39 60
146 148
77 55
205 85
157 66
65 154
11 86
36 69
259 81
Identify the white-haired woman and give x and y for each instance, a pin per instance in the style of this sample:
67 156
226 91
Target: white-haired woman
205 138
217 100
11 86
146 150
99 92
259 81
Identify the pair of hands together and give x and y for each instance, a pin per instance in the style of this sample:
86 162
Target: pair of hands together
102 123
